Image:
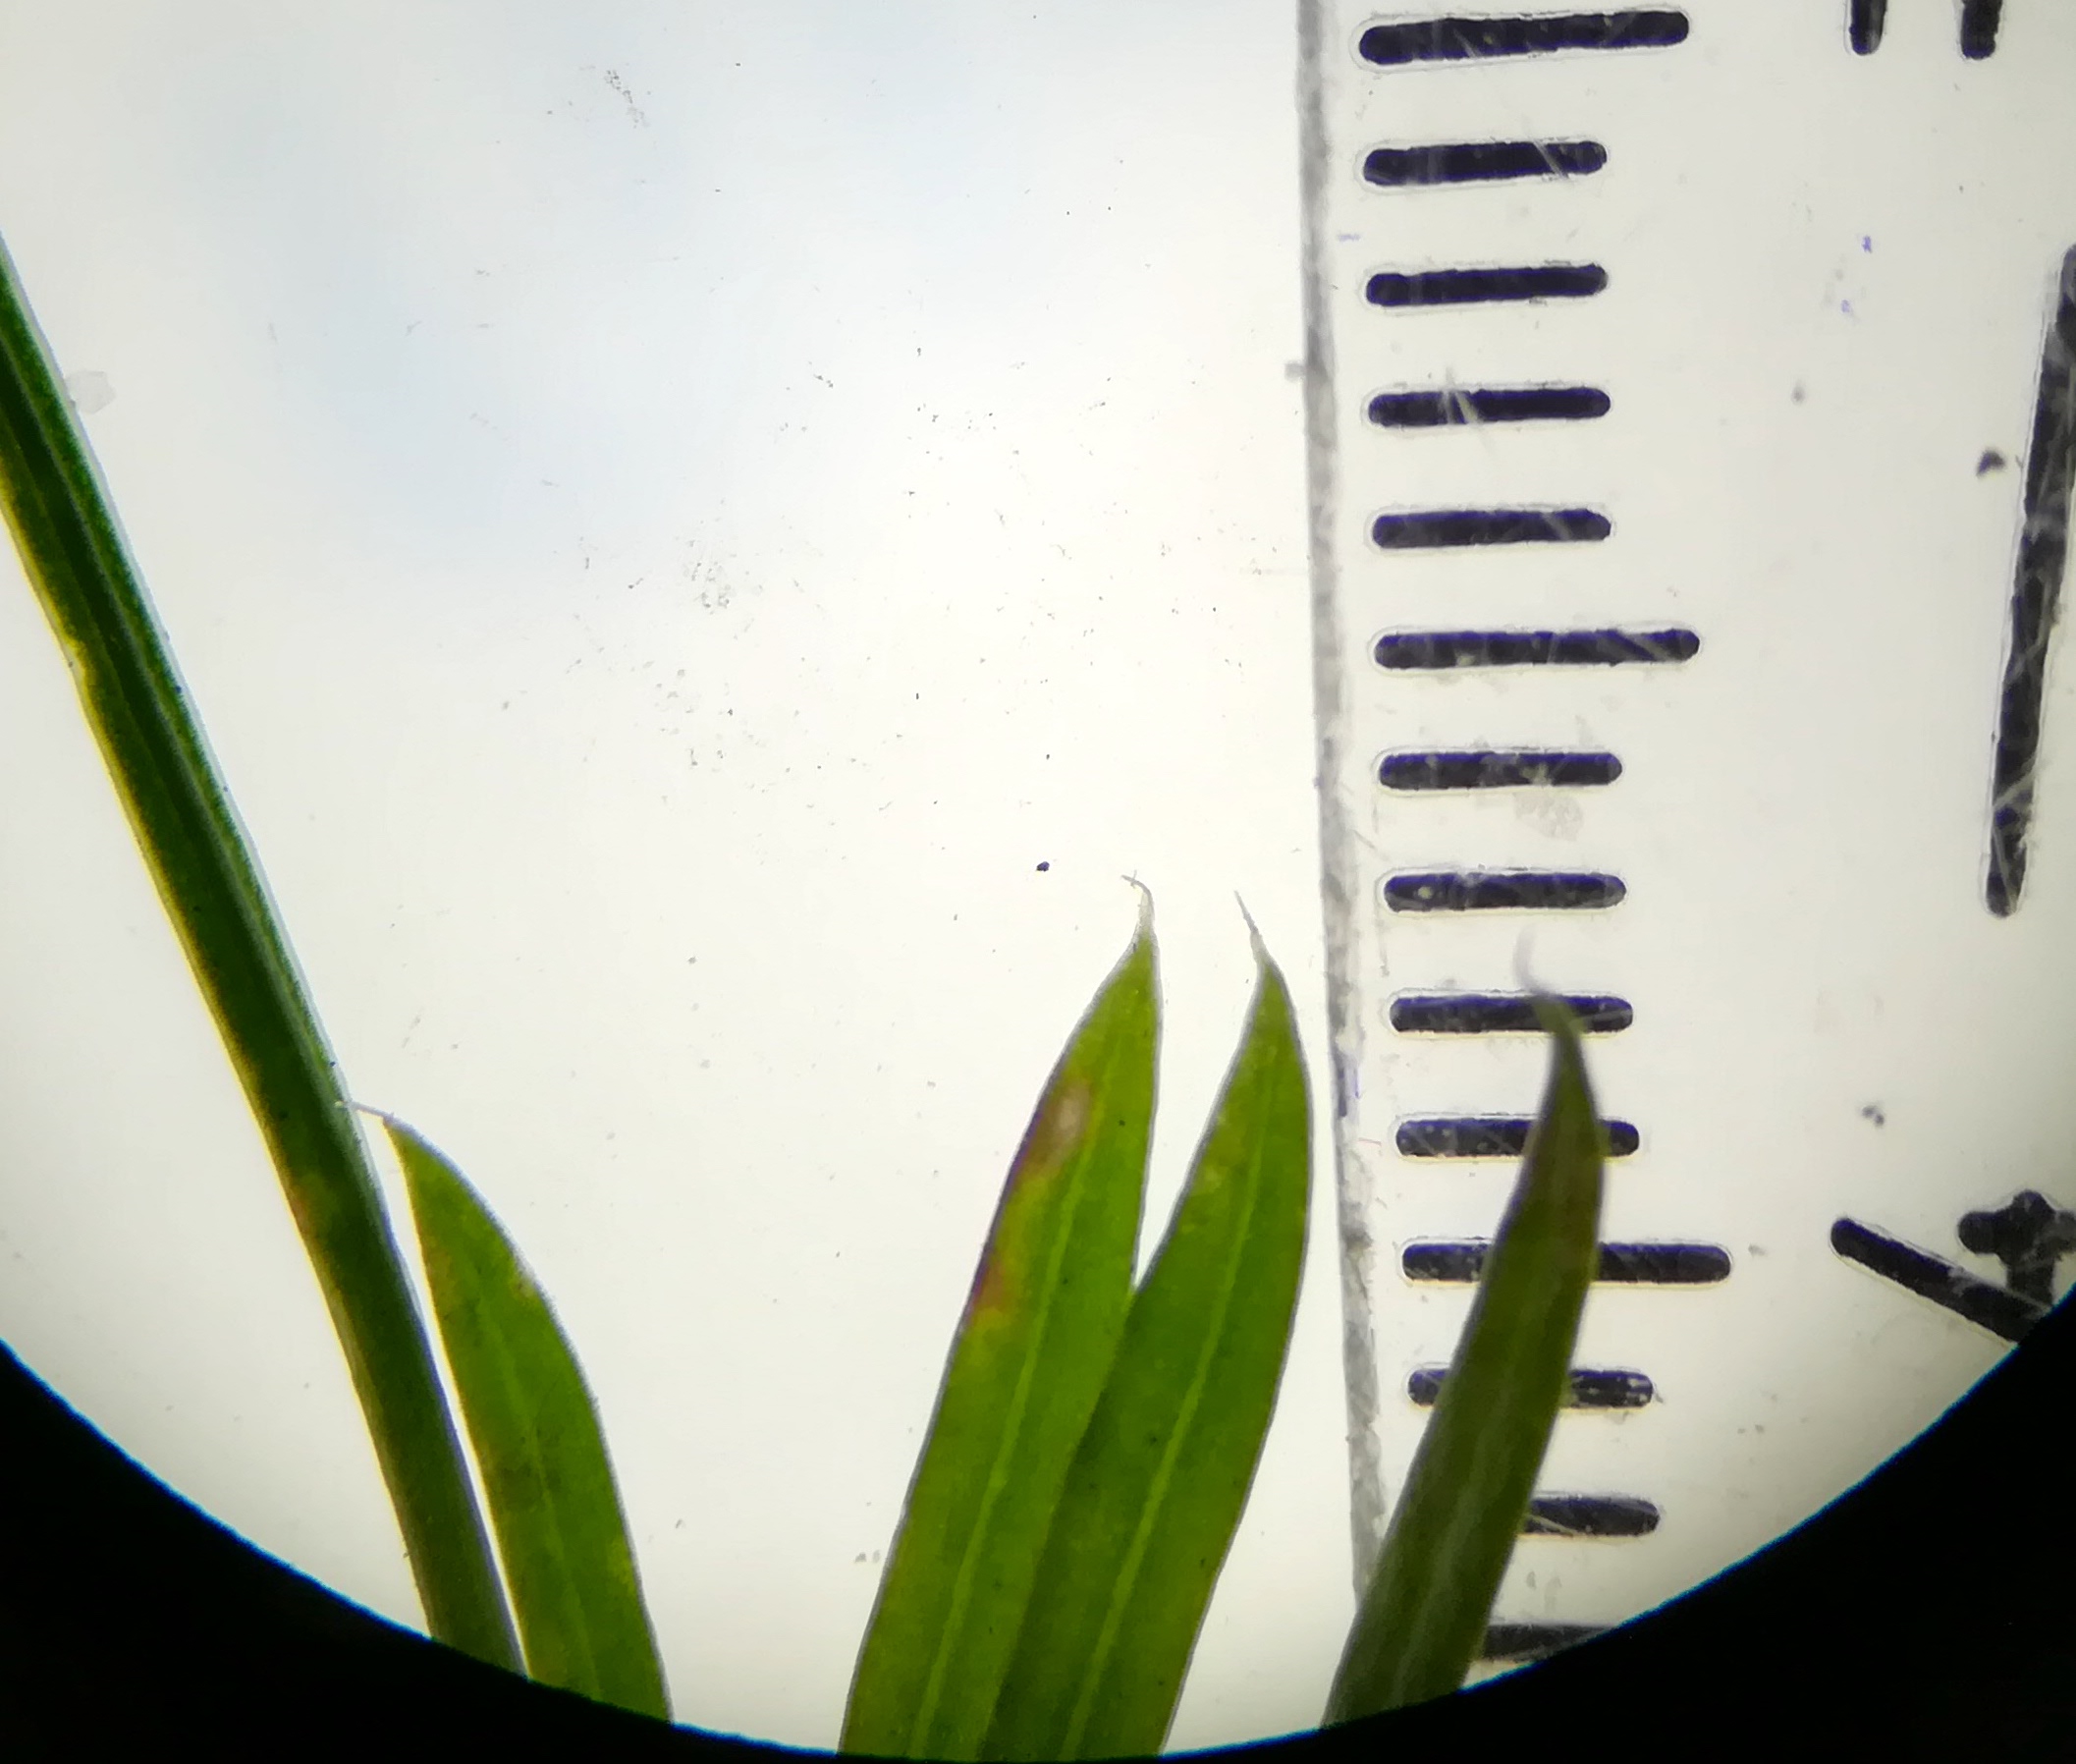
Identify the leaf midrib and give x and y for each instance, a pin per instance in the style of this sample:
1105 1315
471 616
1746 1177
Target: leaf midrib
998 1468
1126 1581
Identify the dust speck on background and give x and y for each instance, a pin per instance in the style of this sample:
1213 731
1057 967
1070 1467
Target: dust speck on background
89 391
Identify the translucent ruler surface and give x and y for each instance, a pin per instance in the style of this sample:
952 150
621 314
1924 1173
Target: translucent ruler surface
1690 396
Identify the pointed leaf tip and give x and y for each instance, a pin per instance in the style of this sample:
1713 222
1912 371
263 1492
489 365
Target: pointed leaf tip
1162 1475
1024 1372
1262 957
554 1503
1145 924
1430 1595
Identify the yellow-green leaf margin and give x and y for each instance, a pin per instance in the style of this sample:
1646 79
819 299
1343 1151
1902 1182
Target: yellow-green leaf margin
1162 1475
1423 1618
1040 1328
553 1505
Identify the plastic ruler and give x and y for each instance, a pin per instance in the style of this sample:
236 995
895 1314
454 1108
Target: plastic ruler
1690 398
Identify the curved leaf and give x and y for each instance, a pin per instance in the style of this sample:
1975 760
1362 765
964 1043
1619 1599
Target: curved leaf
1041 1325
1424 1615
72 552
553 1501
1162 1475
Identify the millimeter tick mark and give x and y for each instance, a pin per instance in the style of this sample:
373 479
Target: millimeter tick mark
1867 19
1500 1013
1460 1261
1500 891
1479 39
1491 1136
1431 529
1482 162
1448 407
1591 1387
1494 768
1480 287
1439 649
1997 1309
1979 21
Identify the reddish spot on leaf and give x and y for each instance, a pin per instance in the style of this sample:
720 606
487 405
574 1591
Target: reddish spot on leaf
1056 1131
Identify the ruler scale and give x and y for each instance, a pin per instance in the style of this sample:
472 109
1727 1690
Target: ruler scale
1692 419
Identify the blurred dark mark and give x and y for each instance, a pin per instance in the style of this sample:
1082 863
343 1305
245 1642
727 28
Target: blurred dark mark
1991 461
2029 1235
2042 556
1979 21
1511 1642
1866 20
2003 1313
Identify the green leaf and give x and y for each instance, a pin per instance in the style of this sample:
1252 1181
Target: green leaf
1424 1615
1161 1477
1041 1324
553 1501
76 561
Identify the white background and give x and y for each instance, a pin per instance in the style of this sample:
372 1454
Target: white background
671 513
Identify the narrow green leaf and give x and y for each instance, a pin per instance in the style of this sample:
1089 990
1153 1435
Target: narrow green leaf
1162 1475
1040 1327
1453 1529
553 1501
74 555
